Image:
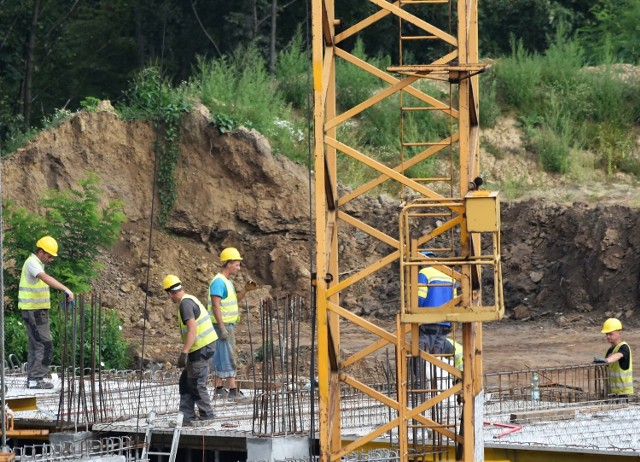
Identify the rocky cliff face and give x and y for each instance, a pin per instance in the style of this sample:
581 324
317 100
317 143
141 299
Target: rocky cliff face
575 260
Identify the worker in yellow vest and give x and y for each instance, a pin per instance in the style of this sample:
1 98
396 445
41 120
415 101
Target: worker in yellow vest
198 337
619 360
34 302
455 349
223 303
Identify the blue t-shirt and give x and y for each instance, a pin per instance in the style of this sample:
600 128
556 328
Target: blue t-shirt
218 289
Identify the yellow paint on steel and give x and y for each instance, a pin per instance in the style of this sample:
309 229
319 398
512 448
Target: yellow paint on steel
330 216
417 21
421 157
435 103
22 404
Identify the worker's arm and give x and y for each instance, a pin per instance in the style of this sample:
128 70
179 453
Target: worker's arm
54 284
240 295
217 311
614 357
191 335
248 287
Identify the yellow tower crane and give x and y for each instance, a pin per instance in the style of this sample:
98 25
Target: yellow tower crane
445 211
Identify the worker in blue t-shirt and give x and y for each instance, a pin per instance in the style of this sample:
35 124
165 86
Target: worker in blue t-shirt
435 289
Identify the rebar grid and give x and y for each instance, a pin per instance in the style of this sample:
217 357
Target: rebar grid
559 386
606 430
278 405
48 452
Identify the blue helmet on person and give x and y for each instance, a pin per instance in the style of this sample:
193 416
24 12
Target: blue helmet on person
428 254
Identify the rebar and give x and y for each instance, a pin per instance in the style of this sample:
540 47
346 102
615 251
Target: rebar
48 452
279 396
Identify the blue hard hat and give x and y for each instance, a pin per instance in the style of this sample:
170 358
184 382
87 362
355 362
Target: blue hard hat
428 254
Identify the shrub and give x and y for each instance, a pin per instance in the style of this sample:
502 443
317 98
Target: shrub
614 143
79 225
518 77
354 85
553 149
110 349
82 229
562 62
292 72
489 108
240 90
153 97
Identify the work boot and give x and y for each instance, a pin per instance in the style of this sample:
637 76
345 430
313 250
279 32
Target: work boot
220 392
236 396
39 384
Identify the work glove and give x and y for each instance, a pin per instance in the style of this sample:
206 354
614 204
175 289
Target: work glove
599 360
182 360
67 305
250 285
224 333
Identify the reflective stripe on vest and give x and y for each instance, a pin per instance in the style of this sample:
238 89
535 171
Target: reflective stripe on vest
205 333
438 291
33 296
621 381
457 354
229 305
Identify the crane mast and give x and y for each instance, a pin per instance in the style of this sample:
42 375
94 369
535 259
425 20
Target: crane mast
444 211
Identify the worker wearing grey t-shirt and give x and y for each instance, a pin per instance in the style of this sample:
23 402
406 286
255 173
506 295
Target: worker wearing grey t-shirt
34 302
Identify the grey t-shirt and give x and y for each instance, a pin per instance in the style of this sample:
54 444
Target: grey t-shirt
190 310
32 269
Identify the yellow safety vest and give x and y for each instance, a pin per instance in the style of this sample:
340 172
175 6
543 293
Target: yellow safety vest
229 305
621 381
33 296
205 334
457 354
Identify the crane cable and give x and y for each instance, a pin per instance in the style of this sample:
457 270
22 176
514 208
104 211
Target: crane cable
156 125
3 447
310 131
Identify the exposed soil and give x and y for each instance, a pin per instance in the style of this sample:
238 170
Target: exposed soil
567 266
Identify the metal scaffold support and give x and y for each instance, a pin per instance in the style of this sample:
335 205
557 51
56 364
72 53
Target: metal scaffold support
441 210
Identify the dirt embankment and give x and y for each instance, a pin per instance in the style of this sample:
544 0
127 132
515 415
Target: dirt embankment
561 263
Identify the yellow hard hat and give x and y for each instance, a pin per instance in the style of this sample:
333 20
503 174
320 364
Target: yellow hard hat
611 325
48 244
230 253
169 281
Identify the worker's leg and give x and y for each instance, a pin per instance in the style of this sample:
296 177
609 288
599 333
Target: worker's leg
40 345
198 372
186 399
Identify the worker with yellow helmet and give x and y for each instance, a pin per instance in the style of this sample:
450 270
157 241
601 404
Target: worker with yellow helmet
34 302
223 303
198 338
618 359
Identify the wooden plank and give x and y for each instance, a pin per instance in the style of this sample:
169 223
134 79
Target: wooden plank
560 413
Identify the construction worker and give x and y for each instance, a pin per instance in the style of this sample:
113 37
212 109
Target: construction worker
223 303
618 359
198 337
451 347
34 302
434 290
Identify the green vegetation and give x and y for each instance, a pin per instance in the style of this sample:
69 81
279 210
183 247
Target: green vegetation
540 76
153 97
83 229
565 106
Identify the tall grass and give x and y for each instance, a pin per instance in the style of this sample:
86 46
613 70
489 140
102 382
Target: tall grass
565 107
518 76
240 89
292 72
